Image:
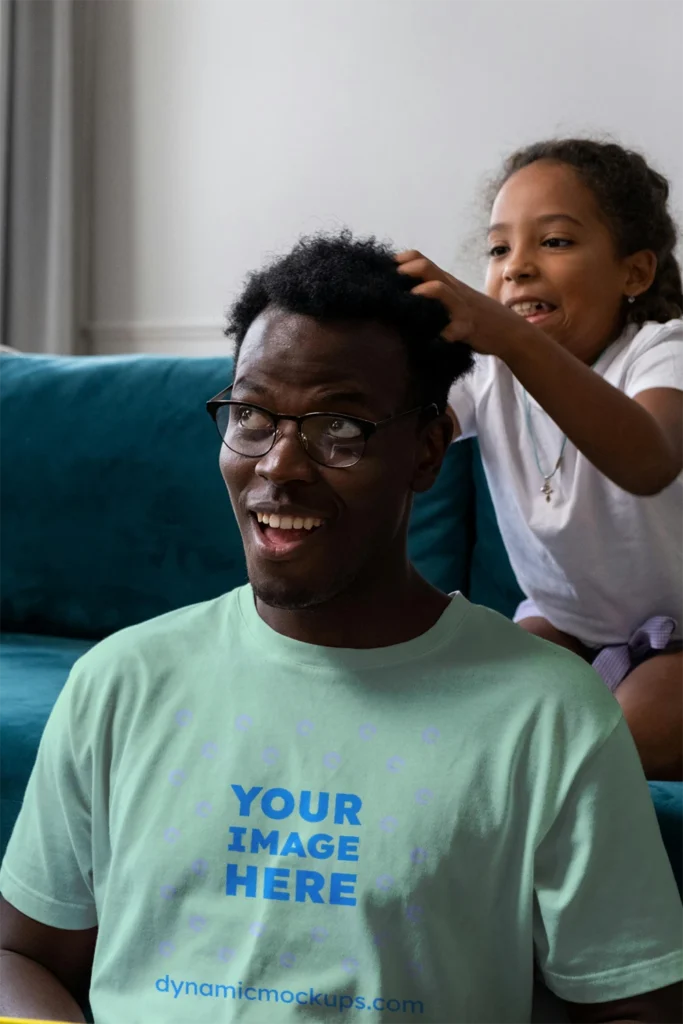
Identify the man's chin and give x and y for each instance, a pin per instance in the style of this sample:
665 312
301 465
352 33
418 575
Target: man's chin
285 596
297 595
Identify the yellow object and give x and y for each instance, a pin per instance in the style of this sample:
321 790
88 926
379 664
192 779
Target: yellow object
28 1020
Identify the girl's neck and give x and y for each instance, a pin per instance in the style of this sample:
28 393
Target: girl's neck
592 353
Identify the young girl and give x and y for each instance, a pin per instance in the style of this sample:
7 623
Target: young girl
576 400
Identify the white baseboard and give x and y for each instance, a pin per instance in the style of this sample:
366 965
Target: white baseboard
160 339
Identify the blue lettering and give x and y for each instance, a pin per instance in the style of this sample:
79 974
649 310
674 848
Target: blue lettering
314 998
303 1000
305 806
309 883
246 799
204 985
293 844
223 990
187 987
342 889
270 796
286 992
275 884
348 847
247 991
236 846
161 984
248 880
347 805
269 842
321 846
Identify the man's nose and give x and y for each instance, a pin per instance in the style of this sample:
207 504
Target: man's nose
287 459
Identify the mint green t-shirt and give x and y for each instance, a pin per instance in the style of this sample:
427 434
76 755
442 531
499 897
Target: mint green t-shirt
269 831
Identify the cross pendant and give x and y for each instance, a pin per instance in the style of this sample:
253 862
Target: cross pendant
547 490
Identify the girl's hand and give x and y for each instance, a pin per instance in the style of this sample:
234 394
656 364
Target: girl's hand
482 322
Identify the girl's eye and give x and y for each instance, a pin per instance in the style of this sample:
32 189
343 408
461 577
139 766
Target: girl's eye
558 243
497 250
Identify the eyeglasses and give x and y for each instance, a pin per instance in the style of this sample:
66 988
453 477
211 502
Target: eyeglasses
328 438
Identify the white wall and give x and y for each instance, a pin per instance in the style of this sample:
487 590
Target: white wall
225 129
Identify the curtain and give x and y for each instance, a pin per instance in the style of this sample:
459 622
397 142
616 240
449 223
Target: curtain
44 105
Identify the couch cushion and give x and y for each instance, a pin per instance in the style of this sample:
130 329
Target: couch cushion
113 506
34 670
668 801
491 580
441 528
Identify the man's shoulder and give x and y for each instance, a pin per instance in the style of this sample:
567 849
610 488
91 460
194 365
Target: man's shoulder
161 644
527 700
525 669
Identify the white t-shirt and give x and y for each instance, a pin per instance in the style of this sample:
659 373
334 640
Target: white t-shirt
596 560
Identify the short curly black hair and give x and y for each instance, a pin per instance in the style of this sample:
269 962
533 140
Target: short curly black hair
633 199
336 277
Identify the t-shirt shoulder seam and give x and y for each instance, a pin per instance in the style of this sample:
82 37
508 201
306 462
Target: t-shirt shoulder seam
640 344
129 641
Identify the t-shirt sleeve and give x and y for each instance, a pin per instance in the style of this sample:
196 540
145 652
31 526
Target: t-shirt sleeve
47 872
660 364
464 397
607 917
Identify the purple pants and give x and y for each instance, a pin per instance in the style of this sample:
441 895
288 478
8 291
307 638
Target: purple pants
614 663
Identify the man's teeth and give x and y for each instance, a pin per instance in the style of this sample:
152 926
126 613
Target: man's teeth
529 308
288 522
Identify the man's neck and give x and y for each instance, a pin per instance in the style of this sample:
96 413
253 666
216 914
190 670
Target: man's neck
378 615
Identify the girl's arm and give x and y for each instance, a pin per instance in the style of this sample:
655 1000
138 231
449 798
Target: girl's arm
636 442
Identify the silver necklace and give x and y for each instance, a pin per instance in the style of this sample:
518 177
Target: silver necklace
546 489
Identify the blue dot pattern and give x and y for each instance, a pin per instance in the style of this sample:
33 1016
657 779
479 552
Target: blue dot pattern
331 760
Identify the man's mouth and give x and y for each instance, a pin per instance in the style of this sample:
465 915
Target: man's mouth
280 535
533 310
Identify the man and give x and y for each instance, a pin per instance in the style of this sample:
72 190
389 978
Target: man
337 790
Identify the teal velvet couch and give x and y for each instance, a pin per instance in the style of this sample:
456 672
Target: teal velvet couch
113 511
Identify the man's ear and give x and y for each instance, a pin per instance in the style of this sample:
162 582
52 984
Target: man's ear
434 441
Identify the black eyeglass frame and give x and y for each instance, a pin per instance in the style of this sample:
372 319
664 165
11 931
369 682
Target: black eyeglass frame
367 427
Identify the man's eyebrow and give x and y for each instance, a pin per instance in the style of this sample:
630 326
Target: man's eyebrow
544 219
250 385
343 396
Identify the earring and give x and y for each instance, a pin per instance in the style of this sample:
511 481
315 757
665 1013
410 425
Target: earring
631 299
